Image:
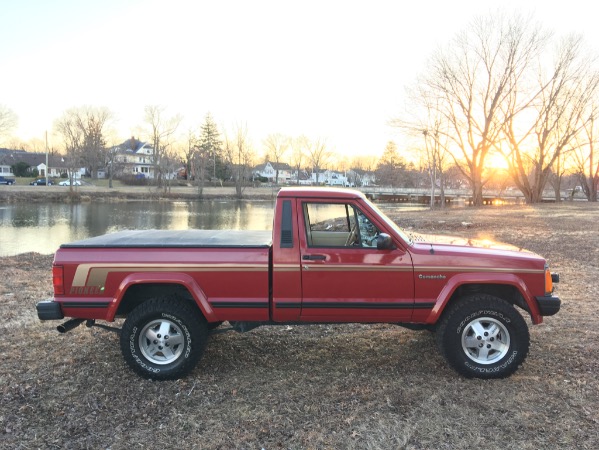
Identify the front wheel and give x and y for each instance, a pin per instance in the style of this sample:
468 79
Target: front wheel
163 338
483 336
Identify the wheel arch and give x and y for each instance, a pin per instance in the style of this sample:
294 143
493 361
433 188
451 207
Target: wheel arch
135 289
508 287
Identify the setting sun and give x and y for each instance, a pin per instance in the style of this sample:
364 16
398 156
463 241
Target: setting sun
496 162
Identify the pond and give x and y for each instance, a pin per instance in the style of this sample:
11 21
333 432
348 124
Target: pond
41 228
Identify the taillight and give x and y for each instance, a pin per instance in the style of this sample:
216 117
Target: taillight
548 282
58 280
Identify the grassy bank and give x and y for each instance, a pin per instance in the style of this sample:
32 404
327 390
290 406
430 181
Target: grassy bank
333 386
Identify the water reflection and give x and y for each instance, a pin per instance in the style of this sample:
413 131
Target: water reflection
43 227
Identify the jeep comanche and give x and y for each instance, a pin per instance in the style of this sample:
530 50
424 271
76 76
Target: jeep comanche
332 257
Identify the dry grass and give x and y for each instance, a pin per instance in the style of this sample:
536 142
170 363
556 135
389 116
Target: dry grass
340 386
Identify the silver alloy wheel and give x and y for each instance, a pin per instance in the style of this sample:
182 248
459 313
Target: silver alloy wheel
161 341
485 340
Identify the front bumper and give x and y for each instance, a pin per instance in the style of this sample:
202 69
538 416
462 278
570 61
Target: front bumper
548 305
49 310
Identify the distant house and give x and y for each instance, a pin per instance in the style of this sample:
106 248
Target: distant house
57 164
332 178
7 160
134 157
359 177
269 171
303 179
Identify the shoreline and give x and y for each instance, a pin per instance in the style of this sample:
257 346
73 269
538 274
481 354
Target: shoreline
83 194
92 193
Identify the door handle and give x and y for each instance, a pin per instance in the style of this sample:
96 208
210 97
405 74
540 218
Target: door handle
314 257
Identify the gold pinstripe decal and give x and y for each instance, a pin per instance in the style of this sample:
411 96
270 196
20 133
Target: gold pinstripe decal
95 274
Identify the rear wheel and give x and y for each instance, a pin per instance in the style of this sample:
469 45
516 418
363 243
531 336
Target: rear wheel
483 336
163 338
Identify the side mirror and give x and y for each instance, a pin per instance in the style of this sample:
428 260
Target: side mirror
384 242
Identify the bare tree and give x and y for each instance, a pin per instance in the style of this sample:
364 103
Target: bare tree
8 121
298 155
586 159
276 147
318 155
429 125
161 131
435 151
83 131
473 77
239 155
554 115
68 128
170 162
93 122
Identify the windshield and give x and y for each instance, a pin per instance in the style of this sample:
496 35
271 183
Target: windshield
391 224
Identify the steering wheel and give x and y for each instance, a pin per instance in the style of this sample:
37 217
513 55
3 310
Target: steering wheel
351 239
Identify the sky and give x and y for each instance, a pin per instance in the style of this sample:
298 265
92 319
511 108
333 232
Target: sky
332 70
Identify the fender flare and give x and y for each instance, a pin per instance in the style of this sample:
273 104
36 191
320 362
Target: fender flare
182 279
508 279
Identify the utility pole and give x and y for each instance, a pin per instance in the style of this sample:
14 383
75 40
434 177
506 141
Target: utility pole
47 178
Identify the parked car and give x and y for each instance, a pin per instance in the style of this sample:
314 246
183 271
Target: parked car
41 182
68 183
7 181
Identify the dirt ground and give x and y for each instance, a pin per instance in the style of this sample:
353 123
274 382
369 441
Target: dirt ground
318 387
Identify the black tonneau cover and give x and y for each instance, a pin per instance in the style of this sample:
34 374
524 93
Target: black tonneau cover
180 238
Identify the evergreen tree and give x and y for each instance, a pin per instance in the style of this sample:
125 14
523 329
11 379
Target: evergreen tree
210 148
391 167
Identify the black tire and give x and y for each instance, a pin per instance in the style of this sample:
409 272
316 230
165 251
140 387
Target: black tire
164 338
482 336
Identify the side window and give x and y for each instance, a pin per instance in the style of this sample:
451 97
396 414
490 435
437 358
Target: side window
338 225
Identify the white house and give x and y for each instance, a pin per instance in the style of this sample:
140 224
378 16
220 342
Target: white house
134 157
330 178
336 178
269 171
359 177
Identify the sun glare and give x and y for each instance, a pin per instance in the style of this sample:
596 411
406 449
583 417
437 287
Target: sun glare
496 162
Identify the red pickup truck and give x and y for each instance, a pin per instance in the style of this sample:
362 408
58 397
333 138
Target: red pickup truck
332 257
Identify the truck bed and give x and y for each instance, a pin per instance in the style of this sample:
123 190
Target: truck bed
177 238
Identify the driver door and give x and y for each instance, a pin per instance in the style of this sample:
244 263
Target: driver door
345 278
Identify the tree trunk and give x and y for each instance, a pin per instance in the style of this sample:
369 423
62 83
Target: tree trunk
557 191
432 179
442 193
477 190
